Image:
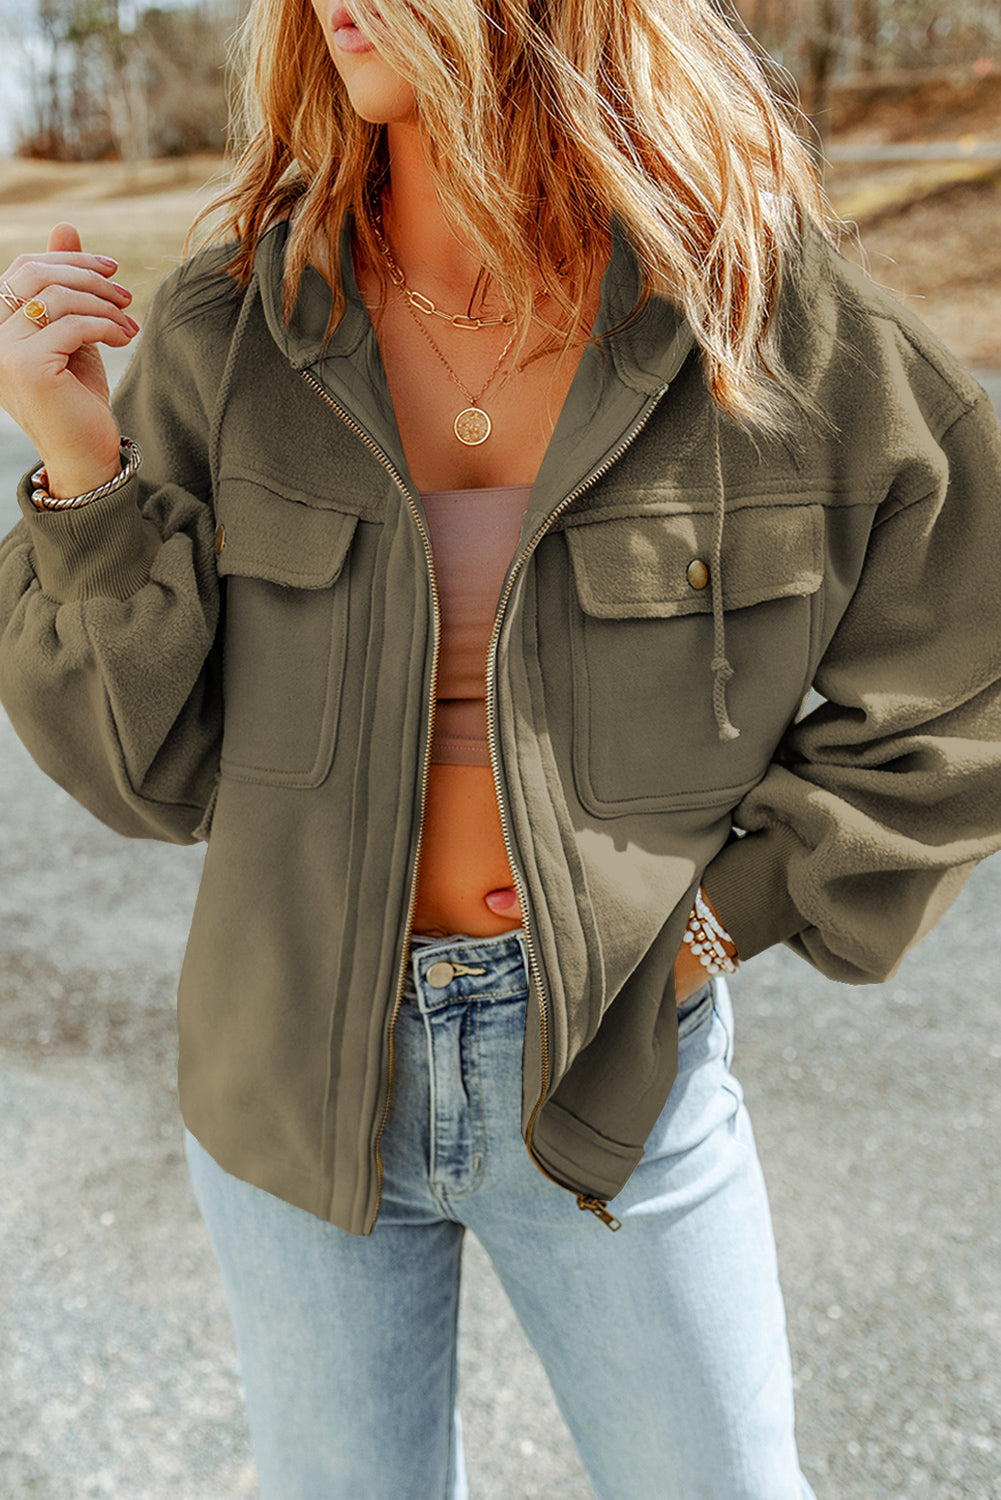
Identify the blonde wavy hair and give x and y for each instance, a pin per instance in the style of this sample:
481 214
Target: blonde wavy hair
545 121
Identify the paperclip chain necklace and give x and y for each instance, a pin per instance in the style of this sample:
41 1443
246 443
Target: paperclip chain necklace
424 304
472 425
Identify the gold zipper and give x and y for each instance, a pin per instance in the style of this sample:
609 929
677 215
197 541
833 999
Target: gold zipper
436 616
597 1206
586 1202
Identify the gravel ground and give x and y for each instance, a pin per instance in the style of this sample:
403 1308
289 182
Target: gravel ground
878 1118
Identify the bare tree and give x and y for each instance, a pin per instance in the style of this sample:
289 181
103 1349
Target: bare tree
823 45
47 129
119 77
867 33
128 85
821 39
185 51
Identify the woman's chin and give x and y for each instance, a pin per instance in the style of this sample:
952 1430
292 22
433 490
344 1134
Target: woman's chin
379 100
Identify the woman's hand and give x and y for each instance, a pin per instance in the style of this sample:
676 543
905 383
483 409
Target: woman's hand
52 378
689 974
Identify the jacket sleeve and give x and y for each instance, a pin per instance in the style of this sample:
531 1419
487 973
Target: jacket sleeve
881 800
109 662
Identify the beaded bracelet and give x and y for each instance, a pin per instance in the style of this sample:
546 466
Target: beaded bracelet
709 940
130 456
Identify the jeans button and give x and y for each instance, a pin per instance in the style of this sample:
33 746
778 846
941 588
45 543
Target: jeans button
440 974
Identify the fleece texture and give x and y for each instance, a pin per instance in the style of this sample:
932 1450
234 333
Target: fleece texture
238 647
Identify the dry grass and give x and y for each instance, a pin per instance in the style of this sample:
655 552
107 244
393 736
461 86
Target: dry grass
941 256
930 229
139 213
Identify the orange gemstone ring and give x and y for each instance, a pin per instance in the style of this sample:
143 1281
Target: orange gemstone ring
36 311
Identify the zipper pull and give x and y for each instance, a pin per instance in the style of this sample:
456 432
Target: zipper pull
599 1208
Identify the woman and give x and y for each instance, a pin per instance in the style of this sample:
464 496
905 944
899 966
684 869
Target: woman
455 560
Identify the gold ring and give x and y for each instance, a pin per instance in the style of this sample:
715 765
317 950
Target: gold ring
7 292
36 311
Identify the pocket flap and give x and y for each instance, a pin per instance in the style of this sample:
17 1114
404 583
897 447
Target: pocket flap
640 567
264 535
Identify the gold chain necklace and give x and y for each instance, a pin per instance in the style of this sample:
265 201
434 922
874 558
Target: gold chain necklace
472 426
420 303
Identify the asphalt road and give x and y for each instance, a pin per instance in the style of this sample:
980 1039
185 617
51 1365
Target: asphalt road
878 1117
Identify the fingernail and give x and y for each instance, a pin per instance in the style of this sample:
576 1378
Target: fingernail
132 323
123 289
106 260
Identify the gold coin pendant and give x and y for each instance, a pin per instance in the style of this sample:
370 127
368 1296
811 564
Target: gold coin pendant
472 426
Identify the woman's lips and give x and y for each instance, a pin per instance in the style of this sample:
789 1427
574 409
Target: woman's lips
347 36
350 39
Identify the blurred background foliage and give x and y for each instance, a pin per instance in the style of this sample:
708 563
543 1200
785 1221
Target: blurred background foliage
111 80
116 79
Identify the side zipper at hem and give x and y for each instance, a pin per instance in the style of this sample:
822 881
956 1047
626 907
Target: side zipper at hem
599 1207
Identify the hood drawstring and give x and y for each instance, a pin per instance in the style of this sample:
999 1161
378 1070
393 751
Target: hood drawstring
721 668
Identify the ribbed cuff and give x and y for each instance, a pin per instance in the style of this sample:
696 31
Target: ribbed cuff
748 885
100 550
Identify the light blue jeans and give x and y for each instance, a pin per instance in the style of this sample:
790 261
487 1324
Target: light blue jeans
665 1343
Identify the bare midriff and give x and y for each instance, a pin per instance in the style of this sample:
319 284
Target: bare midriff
464 870
463 858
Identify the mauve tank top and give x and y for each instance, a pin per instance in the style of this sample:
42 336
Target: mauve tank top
473 537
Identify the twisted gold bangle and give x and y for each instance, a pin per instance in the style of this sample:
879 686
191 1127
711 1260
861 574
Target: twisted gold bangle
130 456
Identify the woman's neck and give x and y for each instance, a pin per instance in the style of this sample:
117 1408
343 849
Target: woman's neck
433 260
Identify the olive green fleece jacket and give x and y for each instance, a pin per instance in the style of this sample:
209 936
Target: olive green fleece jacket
239 646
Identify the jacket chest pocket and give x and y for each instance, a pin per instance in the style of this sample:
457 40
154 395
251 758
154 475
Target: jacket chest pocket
645 736
286 620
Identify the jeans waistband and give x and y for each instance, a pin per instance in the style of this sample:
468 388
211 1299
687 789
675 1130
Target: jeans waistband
489 968
453 968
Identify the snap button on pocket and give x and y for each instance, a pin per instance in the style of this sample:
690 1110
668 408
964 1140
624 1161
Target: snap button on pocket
220 538
440 974
697 573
